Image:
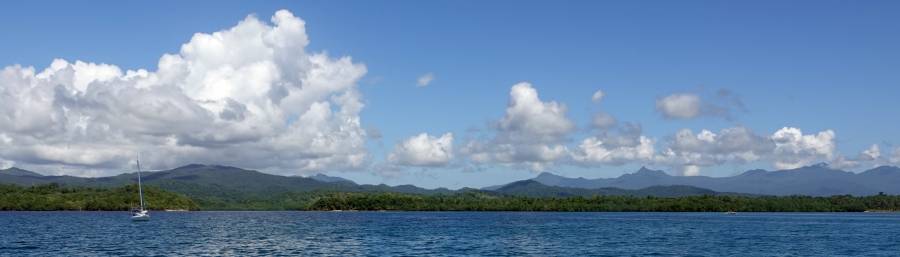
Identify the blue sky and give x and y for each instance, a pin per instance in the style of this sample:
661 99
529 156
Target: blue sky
813 65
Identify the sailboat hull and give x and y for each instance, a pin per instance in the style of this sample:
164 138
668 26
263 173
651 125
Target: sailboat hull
140 217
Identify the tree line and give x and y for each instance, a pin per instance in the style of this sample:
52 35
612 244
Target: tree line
53 197
485 202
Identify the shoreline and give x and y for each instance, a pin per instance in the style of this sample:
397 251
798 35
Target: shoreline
446 211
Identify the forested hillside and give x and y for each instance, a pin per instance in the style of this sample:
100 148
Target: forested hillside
53 197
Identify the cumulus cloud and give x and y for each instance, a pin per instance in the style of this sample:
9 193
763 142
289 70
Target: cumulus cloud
598 96
868 157
425 79
531 133
250 95
690 105
530 119
602 120
786 148
595 150
629 145
690 170
5 164
423 150
691 151
679 106
871 154
707 148
793 149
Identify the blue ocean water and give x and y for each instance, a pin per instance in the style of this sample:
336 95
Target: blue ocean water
450 234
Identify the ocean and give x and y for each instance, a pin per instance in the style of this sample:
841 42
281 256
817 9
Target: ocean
449 234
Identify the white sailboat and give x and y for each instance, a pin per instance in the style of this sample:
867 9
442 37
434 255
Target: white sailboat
140 214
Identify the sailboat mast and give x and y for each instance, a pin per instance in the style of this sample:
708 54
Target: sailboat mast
140 189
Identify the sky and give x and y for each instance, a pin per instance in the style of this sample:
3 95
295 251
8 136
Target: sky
449 93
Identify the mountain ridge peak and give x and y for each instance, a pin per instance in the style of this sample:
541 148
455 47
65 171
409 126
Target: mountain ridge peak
646 171
548 174
15 171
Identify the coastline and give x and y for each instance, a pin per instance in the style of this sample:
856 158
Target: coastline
55 197
443 211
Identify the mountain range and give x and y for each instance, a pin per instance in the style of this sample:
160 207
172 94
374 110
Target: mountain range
532 188
815 180
198 179
224 183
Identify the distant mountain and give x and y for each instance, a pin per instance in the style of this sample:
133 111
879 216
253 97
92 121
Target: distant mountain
329 179
816 180
19 172
215 182
224 183
532 188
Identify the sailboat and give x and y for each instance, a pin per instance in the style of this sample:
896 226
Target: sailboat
140 214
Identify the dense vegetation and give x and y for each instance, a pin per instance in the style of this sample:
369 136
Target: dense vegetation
473 201
53 197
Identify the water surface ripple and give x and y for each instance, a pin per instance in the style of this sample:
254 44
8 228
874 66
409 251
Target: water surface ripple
449 234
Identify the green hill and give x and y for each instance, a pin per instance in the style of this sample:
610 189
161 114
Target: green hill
215 187
218 187
52 197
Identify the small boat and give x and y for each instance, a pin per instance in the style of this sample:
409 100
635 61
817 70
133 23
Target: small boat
140 214
731 213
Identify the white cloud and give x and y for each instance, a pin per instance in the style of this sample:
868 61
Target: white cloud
787 148
722 104
841 162
625 145
598 96
529 119
793 149
679 106
423 150
707 148
871 154
690 170
249 95
4 164
596 150
602 120
868 157
531 133
425 79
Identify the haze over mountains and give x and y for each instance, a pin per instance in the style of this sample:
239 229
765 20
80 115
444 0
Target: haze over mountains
224 182
197 178
816 180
